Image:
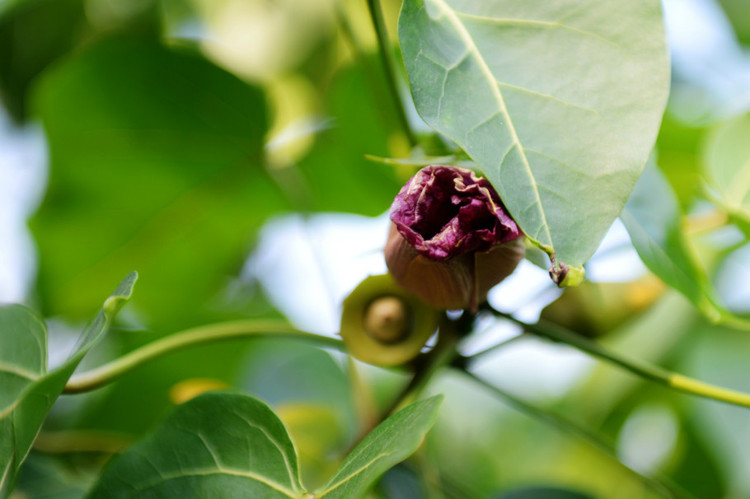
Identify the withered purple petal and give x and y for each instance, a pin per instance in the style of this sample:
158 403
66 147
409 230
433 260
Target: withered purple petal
445 211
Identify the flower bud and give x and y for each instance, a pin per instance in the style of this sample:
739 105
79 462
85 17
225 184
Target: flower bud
451 239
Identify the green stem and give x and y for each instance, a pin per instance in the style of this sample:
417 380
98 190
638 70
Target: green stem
638 367
580 431
376 15
191 337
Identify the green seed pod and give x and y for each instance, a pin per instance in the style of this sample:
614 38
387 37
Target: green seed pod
384 325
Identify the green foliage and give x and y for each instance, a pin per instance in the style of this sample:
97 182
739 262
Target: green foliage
177 129
230 445
653 219
727 167
28 396
543 493
513 85
160 156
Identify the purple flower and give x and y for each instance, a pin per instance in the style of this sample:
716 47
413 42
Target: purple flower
451 238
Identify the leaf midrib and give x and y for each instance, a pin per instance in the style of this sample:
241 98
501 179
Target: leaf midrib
218 471
463 33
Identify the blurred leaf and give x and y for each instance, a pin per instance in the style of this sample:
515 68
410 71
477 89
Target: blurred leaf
336 174
558 102
231 445
401 482
653 220
36 33
283 372
594 309
727 166
25 405
714 356
390 443
543 493
43 477
738 13
678 147
156 165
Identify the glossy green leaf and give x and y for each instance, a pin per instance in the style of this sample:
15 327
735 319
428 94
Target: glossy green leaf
24 404
156 164
228 445
727 166
558 103
387 445
653 220
216 445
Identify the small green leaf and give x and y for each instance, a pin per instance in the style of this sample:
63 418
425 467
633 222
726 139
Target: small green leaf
559 103
387 445
727 166
653 220
220 445
31 390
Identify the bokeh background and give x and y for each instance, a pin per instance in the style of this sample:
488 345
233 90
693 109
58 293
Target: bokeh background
219 148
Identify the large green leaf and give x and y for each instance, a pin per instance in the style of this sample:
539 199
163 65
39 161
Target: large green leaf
653 219
216 445
727 166
156 164
227 445
559 103
31 390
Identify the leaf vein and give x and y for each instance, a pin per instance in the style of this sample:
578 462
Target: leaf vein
276 444
535 23
547 96
474 50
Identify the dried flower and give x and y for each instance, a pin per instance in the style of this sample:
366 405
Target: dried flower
451 238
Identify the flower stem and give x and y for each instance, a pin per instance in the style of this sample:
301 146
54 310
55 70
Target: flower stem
378 23
590 437
191 337
638 367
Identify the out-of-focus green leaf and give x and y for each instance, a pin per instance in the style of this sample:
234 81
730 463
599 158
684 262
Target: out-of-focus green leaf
336 174
713 356
543 493
44 477
24 405
653 220
156 165
387 445
738 13
678 147
558 102
727 166
230 445
36 33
